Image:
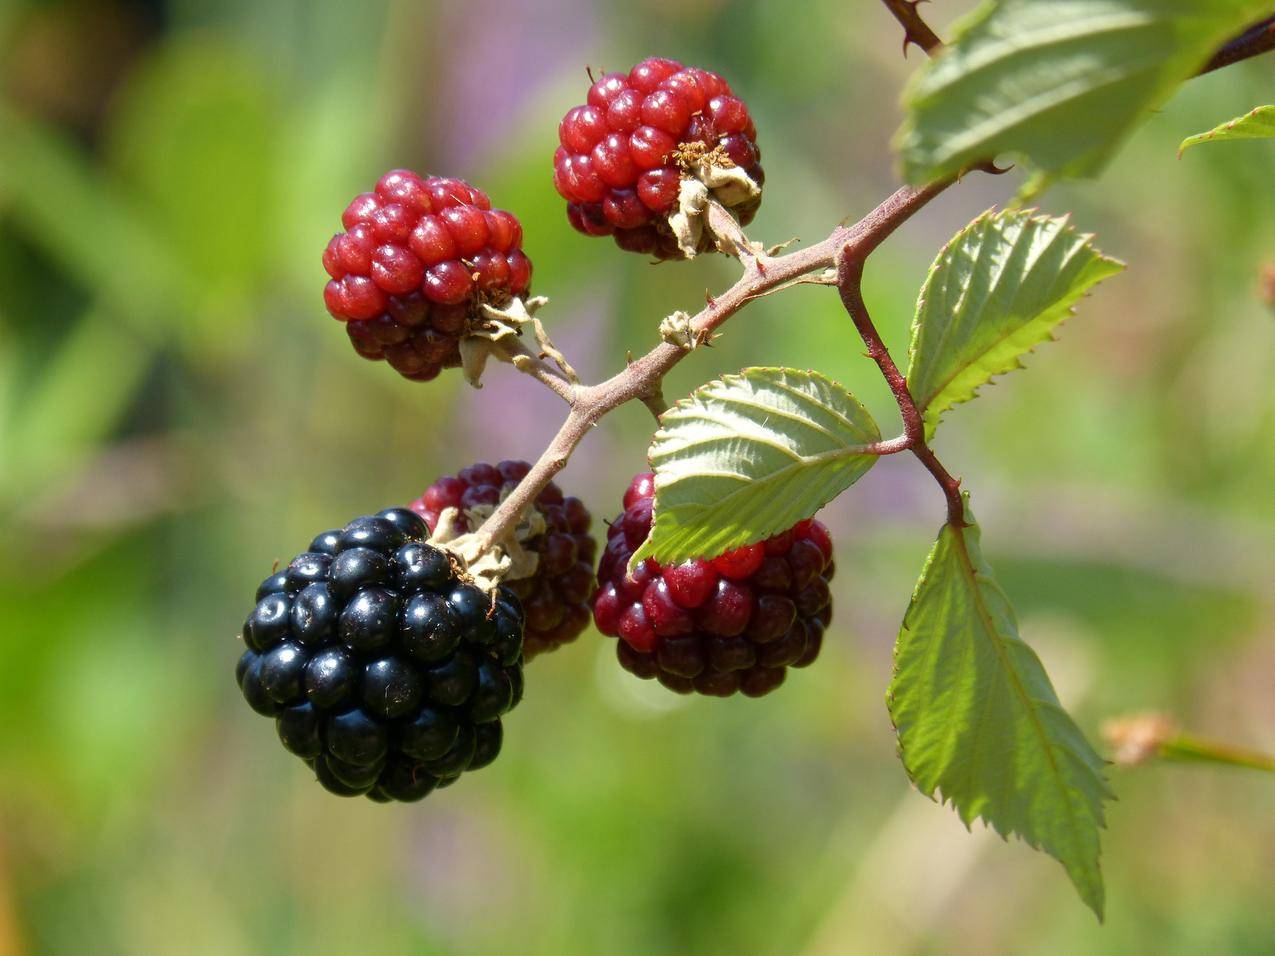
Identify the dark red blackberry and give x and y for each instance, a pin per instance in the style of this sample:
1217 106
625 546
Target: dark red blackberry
419 256
555 598
732 623
623 154
385 672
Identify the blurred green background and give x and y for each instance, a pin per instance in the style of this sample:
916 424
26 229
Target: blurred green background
177 411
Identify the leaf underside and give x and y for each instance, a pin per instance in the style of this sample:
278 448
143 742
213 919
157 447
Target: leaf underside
749 456
1058 83
995 291
1258 123
979 724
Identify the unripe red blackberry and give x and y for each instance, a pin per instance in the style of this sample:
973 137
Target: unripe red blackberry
623 153
419 257
732 623
555 599
384 670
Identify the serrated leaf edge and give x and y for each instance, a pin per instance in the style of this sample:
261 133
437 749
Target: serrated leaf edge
967 567
1029 215
682 406
1089 163
1218 131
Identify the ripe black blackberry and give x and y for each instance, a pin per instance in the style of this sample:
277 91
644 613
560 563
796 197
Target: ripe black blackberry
736 622
384 670
418 259
623 154
556 598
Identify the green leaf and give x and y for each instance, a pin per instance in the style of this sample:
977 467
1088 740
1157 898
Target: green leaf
1258 123
1058 83
978 721
994 292
749 456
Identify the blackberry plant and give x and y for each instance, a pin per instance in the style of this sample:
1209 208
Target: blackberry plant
387 661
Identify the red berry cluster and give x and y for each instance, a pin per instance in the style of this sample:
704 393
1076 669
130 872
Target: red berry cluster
556 598
616 165
733 623
417 257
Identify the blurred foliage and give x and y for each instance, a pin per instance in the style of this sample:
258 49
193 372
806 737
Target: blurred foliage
176 411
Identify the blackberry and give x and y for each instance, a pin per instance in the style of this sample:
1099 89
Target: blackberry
385 672
555 600
734 623
622 154
419 257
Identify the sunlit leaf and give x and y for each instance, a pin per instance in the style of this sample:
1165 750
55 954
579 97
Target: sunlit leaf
995 291
1258 123
1059 83
749 456
979 724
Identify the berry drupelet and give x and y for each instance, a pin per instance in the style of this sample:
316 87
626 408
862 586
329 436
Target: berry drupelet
622 154
419 257
384 671
733 623
555 599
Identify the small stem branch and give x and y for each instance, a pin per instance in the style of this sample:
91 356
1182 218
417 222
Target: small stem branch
641 379
878 225
850 286
1188 748
915 29
1256 40
516 353
553 460
888 446
951 485
655 403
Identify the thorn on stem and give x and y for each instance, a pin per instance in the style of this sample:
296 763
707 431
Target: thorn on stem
992 169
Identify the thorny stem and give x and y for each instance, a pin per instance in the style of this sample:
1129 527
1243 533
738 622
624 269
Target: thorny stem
655 402
516 352
641 379
850 286
847 247
915 29
1257 39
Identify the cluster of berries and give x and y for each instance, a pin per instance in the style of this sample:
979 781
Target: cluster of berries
421 255
385 668
556 598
